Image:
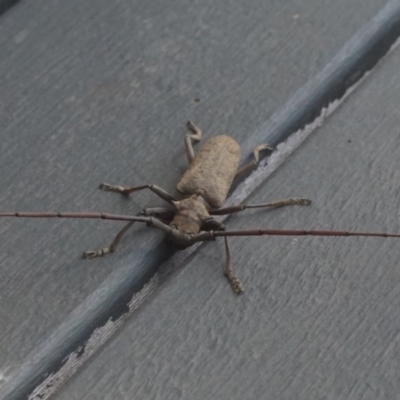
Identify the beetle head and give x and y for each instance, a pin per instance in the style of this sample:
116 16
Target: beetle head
190 215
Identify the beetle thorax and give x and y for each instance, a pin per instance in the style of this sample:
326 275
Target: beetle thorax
190 215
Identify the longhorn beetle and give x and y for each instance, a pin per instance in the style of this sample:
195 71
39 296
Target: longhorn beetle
204 187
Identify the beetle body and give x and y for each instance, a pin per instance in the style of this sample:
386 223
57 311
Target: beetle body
211 172
204 186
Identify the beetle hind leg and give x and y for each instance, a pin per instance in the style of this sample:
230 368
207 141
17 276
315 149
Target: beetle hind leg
127 190
195 135
256 158
110 249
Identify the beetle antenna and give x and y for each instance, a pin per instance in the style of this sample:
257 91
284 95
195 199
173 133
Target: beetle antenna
204 236
283 232
91 215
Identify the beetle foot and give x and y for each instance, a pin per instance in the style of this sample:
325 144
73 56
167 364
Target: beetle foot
105 186
190 125
235 283
113 188
96 253
300 202
264 146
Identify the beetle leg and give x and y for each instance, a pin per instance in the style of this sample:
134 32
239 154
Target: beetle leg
235 283
110 249
212 225
256 157
271 205
188 139
164 213
126 190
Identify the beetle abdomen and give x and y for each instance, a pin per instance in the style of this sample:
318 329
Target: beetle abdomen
212 171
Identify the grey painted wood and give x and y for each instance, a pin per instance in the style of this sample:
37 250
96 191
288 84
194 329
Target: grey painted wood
82 102
6 5
319 318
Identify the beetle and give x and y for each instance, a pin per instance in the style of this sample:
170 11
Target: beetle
204 188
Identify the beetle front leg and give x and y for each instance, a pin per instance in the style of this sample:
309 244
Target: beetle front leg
274 204
90 254
164 213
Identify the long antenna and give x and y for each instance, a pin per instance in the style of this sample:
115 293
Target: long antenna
203 236
150 221
114 217
283 232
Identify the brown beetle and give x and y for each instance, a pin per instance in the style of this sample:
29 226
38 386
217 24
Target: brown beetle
204 187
